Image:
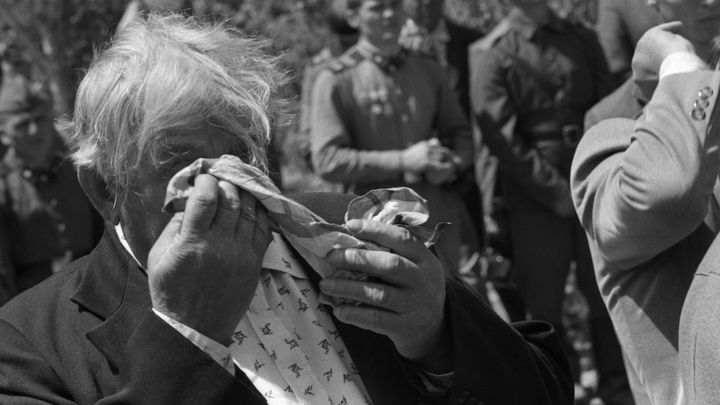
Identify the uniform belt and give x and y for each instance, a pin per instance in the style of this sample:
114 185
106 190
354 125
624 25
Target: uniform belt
568 136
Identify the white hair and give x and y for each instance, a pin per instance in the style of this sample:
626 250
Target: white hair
171 72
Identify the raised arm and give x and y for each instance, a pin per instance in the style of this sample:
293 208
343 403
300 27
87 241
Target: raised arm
641 186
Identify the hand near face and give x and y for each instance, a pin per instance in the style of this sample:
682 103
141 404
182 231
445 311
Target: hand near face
204 267
654 46
404 298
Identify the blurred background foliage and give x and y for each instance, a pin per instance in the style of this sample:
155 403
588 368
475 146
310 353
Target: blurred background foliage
53 40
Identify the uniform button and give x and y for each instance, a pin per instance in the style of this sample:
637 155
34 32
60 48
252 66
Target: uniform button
398 92
404 118
701 103
53 202
698 114
706 92
61 227
27 173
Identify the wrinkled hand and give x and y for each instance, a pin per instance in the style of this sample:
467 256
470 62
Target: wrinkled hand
652 48
205 266
404 298
425 155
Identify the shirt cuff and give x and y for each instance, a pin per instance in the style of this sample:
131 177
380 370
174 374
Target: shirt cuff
681 62
216 351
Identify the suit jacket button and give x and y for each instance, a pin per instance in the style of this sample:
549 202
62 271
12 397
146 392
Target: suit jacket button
698 114
701 103
706 92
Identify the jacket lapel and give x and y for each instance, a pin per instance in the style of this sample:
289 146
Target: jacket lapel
115 290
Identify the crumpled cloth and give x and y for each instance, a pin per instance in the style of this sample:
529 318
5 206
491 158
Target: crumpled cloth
307 232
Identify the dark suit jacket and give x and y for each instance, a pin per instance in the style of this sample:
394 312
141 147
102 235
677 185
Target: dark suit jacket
88 335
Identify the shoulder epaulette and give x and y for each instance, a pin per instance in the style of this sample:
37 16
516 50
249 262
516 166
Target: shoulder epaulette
345 61
488 41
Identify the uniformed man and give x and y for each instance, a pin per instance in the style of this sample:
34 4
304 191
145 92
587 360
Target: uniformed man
45 218
385 117
532 81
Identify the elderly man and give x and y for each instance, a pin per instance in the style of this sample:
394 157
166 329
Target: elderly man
643 188
201 307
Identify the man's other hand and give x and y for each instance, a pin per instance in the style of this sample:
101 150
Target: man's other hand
423 155
404 298
654 46
204 267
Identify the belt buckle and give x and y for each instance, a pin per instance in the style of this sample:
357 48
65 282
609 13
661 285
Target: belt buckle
571 135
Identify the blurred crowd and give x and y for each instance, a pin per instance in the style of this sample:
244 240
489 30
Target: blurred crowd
483 125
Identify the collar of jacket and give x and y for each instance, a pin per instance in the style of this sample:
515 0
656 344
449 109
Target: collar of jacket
388 63
115 289
528 27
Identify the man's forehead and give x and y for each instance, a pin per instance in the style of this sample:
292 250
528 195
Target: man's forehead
207 137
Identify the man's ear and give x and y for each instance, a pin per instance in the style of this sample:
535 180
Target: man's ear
101 196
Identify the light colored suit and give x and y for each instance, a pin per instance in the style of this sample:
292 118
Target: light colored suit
642 189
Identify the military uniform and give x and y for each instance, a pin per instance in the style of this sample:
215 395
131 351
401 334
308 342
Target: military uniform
45 221
530 87
367 109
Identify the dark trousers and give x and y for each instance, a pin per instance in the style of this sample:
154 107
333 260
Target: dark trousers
544 245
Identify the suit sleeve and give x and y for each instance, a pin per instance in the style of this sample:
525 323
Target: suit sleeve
334 155
496 115
501 364
641 186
